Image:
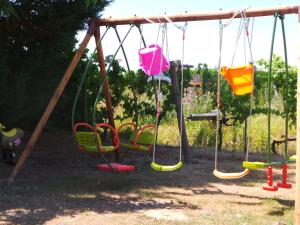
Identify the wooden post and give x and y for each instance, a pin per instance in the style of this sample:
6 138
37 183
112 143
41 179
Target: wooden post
59 90
178 102
110 112
297 196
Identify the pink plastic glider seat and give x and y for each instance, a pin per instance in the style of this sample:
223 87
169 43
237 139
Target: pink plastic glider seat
153 62
118 167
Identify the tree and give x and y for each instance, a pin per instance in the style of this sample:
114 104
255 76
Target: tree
279 82
35 50
6 9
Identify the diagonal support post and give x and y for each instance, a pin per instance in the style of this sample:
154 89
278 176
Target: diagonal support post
110 112
51 105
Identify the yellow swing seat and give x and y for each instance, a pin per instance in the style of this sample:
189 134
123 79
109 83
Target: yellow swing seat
90 141
140 139
240 78
166 168
230 176
262 165
254 165
293 158
86 142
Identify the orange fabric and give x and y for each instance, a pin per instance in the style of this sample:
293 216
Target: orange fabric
239 78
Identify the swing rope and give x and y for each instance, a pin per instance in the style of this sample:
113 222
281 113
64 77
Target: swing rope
83 77
157 91
249 41
183 28
154 165
108 68
221 27
244 24
159 95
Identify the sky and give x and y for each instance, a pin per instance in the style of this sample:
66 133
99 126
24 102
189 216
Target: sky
202 37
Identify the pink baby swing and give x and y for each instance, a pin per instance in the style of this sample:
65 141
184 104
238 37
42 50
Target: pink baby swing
152 60
154 64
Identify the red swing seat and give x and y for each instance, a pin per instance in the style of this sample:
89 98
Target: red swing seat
116 166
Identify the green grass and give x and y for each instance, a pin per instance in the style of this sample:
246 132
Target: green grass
202 134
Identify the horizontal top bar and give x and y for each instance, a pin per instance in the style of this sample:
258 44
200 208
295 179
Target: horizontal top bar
198 16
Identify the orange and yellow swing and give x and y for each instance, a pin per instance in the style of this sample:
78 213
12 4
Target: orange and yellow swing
241 80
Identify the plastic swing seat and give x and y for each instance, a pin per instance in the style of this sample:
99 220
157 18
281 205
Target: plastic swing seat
262 165
139 139
152 61
254 165
230 176
88 140
293 158
115 167
10 138
239 78
166 168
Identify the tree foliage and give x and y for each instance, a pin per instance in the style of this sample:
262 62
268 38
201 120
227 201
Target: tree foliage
279 85
36 48
238 107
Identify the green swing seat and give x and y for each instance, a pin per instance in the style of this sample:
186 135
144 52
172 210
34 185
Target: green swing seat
166 168
139 139
262 165
254 165
86 142
90 141
293 158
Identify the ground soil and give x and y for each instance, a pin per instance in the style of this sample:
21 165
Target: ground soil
61 186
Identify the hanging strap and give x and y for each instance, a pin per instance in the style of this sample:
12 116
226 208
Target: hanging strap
216 172
108 69
281 17
83 77
286 157
135 98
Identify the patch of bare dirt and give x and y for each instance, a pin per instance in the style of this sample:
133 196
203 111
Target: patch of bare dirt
60 185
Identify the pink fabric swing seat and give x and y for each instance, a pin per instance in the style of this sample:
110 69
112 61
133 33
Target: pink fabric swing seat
152 60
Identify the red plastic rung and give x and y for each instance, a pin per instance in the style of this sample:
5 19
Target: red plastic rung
284 183
116 166
270 188
269 185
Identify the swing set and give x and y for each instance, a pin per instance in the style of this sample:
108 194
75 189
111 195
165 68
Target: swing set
88 137
228 73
